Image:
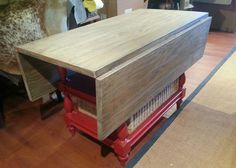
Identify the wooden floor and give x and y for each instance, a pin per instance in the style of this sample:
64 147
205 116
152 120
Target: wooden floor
218 46
27 141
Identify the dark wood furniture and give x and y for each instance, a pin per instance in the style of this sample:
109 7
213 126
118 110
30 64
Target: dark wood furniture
223 16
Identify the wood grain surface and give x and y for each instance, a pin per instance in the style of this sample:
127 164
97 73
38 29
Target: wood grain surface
124 90
97 48
39 77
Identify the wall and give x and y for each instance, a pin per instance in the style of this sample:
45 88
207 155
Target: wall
116 7
122 5
222 2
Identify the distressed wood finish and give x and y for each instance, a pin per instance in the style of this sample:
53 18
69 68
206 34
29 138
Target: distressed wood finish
124 90
131 58
97 48
39 77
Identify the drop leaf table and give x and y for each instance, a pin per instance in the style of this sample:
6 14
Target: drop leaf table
120 75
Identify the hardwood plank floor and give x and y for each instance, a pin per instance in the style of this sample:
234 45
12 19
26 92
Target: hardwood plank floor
27 141
219 44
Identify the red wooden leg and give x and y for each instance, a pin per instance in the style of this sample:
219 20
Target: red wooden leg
122 147
69 108
62 73
68 104
182 80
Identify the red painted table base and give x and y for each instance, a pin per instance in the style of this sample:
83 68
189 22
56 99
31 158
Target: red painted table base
120 140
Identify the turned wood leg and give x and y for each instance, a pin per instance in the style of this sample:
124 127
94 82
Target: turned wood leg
68 104
182 80
2 116
69 108
122 147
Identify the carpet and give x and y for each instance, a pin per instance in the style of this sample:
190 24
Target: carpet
203 133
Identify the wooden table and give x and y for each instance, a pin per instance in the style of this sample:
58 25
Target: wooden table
130 59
